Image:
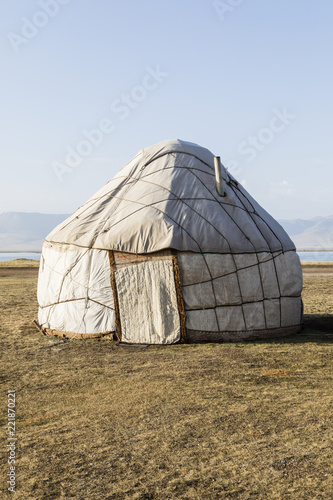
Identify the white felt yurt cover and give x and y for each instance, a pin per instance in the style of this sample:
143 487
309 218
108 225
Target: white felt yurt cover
166 198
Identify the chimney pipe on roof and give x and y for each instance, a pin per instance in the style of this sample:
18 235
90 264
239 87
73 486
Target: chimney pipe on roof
218 175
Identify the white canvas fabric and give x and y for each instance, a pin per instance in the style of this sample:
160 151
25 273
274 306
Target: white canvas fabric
74 291
241 293
166 198
149 313
240 274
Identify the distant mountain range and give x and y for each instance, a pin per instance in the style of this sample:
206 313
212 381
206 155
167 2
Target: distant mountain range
314 234
25 232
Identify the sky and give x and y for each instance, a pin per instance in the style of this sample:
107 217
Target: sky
86 84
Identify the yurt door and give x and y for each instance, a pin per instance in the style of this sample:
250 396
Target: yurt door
147 299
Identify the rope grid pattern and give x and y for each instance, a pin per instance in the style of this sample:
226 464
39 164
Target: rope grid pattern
239 195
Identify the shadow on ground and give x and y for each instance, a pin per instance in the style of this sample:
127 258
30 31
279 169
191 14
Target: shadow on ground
317 328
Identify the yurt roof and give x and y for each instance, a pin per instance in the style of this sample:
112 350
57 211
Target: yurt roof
166 197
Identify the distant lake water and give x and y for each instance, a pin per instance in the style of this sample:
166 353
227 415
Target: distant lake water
319 256
324 255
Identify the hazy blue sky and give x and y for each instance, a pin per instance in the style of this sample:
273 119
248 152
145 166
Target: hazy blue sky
250 80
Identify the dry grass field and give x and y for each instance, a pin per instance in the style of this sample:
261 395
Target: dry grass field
248 420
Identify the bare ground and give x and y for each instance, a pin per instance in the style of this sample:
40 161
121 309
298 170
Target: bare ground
233 421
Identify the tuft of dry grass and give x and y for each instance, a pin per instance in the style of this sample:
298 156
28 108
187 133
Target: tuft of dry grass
234 420
277 372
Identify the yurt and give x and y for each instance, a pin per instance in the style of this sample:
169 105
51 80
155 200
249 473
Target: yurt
172 249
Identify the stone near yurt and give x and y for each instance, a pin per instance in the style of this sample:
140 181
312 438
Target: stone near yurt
158 256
